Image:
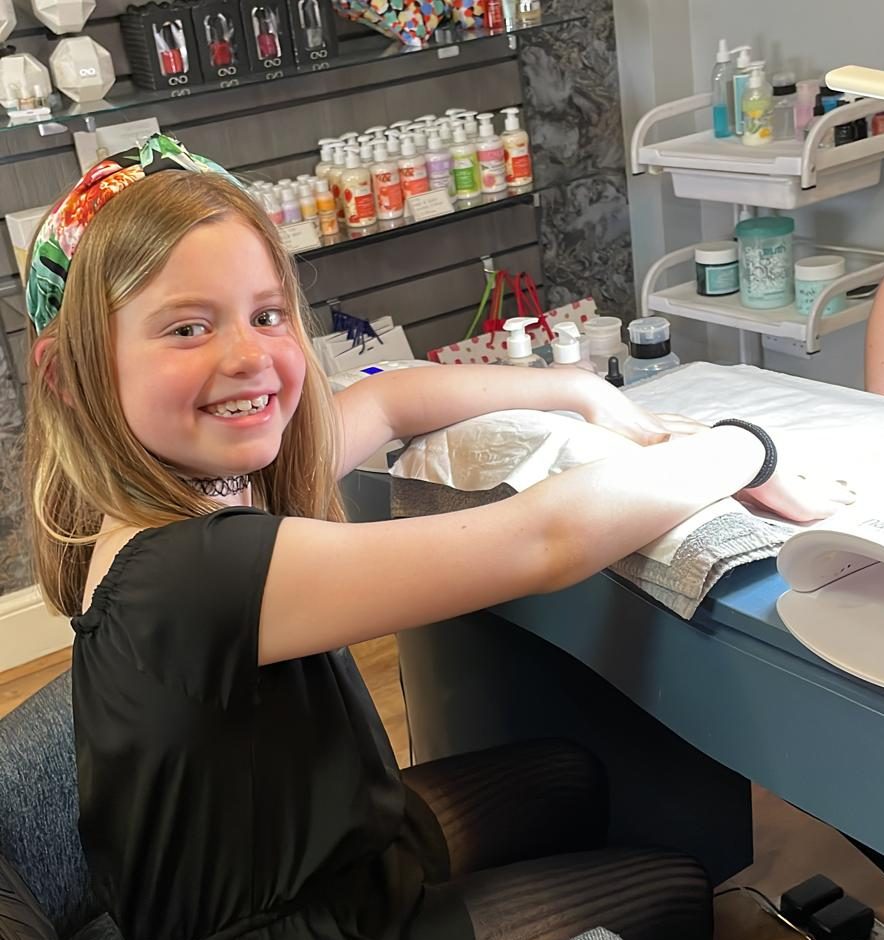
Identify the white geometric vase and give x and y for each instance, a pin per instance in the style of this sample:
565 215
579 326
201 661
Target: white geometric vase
22 76
63 16
82 69
7 18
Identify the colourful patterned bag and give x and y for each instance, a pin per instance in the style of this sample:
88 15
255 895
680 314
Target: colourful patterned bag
411 22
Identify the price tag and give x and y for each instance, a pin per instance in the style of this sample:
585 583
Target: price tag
299 236
430 205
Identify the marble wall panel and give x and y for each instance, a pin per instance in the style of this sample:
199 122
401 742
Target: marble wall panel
572 110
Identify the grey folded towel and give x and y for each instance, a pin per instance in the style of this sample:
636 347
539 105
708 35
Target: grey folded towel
700 561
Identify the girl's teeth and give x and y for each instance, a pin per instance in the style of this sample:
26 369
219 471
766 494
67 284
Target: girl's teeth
240 406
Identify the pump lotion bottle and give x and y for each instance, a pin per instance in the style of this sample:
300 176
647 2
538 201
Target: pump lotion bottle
518 344
517 151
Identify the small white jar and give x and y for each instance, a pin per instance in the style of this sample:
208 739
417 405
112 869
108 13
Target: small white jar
812 276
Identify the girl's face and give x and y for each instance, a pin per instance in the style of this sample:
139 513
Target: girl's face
208 369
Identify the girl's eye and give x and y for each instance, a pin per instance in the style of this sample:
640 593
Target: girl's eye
189 329
271 317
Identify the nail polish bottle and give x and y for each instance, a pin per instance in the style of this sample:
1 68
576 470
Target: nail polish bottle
169 48
266 33
218 35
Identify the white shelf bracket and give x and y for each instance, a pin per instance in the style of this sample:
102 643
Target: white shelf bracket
867 275
649 284
655 116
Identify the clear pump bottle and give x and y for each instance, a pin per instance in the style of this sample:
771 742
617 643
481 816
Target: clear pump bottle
518 345
723 92
758 109
649 349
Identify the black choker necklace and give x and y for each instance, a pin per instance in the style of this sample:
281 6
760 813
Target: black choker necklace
218 486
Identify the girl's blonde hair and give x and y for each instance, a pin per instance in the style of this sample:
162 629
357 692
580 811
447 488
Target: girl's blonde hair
83 461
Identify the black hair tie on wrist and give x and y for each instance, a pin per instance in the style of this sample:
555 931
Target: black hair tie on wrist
770 450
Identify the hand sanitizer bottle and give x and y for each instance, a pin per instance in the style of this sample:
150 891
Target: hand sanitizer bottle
649 349
566 348
758 109
518 345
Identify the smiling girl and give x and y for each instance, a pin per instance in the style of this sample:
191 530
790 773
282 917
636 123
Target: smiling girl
184 450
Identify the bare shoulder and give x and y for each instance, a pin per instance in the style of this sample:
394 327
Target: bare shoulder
111 540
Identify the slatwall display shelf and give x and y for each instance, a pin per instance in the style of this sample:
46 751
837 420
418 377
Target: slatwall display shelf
682 300
445 43
780 175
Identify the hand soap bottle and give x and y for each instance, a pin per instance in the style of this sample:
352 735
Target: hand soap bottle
758 109
649 349
518 345
566 349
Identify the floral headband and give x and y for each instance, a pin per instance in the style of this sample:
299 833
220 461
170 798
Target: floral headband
60 234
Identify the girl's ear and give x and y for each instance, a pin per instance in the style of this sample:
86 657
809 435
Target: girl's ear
41 348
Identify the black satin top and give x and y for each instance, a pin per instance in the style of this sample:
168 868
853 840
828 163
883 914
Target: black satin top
219 799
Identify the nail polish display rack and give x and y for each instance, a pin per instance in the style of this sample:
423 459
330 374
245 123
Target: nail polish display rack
783 175
445 43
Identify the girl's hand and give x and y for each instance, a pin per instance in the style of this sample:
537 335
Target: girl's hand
799 498
680 425
609 408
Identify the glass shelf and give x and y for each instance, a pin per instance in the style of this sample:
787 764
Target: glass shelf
444 43
350 238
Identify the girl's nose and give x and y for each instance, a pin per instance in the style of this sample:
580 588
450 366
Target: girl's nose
245 354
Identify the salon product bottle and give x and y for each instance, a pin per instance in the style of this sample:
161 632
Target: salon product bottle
412 170
266 33
740 79
785 95
387 185
326 162
819 110
439 166
471 125
325 206
758 109
307 201
649 349
291 207
807 91
466 166
359 205
723 92
494 18
614 375
394 146
517 151
273 206
604 334
518 344
334 179
566 348
418 133
528 12
489 150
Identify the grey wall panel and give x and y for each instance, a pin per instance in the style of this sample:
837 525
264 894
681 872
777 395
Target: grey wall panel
440 331
12 309
7 259
37 182
416 253
19 344
431 295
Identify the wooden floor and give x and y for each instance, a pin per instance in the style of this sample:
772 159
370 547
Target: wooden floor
789 846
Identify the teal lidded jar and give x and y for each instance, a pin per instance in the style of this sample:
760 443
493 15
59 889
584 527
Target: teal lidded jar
766 269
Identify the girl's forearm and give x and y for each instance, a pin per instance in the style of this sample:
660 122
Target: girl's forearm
417 401
597 514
